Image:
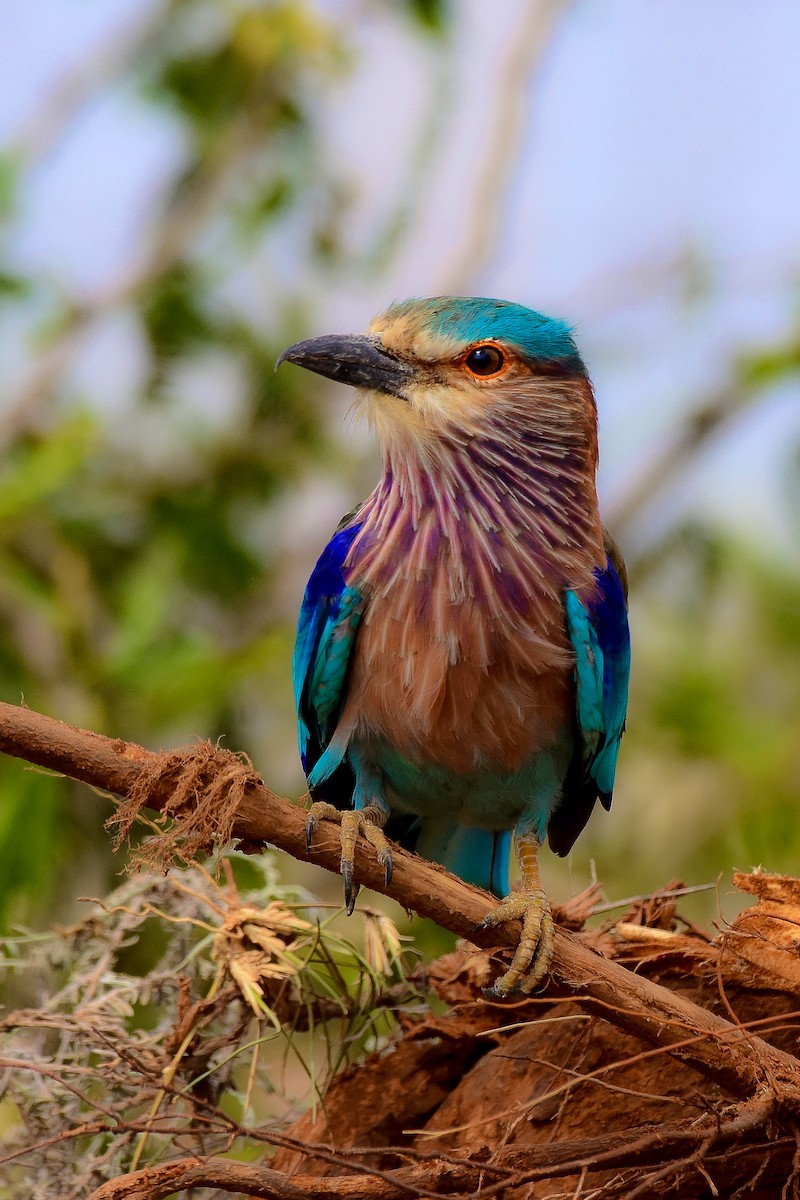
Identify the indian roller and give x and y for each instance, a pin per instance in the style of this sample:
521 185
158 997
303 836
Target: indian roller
462 656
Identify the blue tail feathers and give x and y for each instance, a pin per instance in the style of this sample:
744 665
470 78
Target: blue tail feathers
478 856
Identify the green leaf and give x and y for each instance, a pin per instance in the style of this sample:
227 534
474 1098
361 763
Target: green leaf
40 465
173 313
14 287
9 183
432 15
32 815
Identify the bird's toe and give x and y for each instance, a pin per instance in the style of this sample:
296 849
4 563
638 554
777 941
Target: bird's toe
318 811
367 823
534 953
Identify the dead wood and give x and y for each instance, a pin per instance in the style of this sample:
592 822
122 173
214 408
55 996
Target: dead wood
695 1037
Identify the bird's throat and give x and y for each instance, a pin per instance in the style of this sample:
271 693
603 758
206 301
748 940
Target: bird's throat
482 524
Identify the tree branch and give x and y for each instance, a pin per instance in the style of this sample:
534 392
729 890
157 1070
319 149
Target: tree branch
156 1183
735 1058
669 460
446 1176
527 46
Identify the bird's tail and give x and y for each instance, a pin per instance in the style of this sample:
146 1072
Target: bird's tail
478 856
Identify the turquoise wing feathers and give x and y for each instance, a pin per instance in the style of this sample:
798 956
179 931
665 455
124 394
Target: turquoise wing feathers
600 638
326 634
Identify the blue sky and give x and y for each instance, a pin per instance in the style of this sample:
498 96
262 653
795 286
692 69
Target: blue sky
653 197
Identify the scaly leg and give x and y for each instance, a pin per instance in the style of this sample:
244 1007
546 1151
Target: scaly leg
533 955
367 822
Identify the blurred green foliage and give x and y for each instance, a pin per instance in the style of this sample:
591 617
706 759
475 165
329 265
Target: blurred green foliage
139 585
720 684
142 588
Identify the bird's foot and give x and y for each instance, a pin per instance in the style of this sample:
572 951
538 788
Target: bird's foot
364 822
534 953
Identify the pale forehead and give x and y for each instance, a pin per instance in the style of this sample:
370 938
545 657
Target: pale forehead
404 333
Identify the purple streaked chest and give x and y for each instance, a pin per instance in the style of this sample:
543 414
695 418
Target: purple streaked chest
462 657
458 662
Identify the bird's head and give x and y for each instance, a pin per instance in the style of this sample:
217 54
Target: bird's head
455 367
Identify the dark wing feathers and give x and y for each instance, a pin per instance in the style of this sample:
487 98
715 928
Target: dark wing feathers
601 641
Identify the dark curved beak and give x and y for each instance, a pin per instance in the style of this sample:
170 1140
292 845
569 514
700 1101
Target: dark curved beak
356 359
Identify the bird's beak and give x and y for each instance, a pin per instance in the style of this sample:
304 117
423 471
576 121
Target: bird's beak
352 358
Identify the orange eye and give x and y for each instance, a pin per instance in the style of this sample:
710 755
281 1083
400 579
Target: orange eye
485 361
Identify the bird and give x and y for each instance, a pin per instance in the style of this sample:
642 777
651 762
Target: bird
463 653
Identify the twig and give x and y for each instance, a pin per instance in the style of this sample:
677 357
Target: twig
190 209
529 41
445 1176
87 1130
666 894
41 133
156 1183
672 457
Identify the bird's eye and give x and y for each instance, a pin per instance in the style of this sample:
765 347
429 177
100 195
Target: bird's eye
485 361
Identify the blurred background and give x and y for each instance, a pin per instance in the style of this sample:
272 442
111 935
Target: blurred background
187 186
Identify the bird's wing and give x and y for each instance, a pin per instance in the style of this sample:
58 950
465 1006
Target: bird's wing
326 633
599 636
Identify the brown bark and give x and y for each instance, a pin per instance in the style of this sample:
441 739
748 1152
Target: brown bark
488 1123
661 1018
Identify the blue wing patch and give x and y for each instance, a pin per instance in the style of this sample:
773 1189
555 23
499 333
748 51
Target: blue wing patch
326 632
599 635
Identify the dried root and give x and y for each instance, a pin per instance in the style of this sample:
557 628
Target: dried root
204 786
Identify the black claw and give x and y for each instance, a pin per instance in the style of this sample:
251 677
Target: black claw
311 829
492 993
350 892
389 866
